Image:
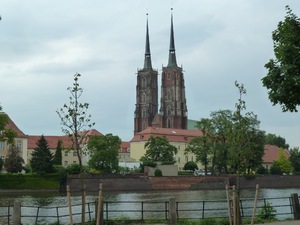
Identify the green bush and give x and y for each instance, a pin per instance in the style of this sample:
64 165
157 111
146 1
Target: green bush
266 213
262 170
73 168
190 166
158 173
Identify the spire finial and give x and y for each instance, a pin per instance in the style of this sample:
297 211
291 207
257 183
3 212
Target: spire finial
147 61
172 56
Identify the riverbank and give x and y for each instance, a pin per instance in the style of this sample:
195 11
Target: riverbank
114 182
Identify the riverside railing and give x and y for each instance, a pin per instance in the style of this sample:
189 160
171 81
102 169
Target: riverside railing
146 210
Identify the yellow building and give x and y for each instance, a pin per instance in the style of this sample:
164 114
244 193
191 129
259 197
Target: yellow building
176 137
20 142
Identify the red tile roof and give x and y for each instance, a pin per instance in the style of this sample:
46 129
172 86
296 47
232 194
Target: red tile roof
173 135
53 140
271 153
13 126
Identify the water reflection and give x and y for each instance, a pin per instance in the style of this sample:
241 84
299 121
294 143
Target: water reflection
54 199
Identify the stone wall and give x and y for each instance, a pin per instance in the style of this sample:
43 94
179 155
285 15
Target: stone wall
140 182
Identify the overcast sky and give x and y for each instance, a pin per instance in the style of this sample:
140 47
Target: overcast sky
44 43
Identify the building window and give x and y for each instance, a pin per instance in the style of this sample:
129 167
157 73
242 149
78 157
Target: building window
178 159
19 145
120 149
74 153
178 147
186 159
169 122
74 162
2 145
10 147
66 153
128 149
65 163
192 158
144 97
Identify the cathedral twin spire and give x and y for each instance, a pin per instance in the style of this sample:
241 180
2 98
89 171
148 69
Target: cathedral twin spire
173 110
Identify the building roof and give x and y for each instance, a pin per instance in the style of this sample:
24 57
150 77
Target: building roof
13 126
272 152
173 135
53 140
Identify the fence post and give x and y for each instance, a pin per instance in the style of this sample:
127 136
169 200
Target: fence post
296 207
17 213
172 211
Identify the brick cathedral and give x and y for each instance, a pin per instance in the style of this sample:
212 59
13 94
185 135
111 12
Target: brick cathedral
173 109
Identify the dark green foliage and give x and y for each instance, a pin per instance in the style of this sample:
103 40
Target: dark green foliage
295 159
190 166
275 169
283 78
1 164
41 161
73 168
13 163
159 149
267 213
262 170
158 173
272 139
146 162
104 153
57 160
29 181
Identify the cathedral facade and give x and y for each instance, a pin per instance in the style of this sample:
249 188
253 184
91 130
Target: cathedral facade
173 109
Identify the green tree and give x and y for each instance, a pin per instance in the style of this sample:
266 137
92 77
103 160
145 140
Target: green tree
273 139
104 153
283 162
190 165
201 146
222 122
57 160
74 118
41 161
295 159
275 168
283 77
159 149
14 162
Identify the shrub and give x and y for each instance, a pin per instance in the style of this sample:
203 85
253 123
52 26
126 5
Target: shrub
262 170
73 168
158 173
190 166
267 213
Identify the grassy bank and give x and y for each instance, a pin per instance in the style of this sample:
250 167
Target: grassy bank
30 181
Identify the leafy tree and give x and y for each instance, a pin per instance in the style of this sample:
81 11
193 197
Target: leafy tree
201 146
275 168
283 162
74 118
73 168
190 165
41 161
280 142
159 149
57 160
295 159
283 77
262 170
14 162
104 153
222 122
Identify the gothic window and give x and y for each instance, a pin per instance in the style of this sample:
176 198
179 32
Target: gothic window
144 125
144 97
10 147
169 76
144 113
169 122
169 111
169 95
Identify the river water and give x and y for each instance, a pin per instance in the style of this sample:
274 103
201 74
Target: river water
54 200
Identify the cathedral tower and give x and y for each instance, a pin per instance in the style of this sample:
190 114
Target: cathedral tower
173 109
146 92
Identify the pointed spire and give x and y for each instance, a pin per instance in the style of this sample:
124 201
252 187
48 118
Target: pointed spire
147 61
172 55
